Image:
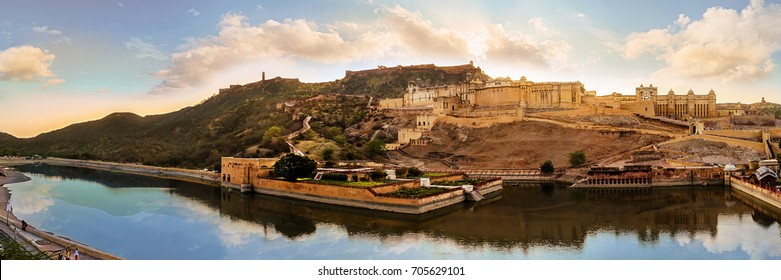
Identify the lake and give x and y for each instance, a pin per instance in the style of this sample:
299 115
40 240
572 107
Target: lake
141 217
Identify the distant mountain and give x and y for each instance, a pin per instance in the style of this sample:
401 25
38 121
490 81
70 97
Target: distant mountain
228 122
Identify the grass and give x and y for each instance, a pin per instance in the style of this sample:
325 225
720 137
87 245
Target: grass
417 192
348 184
459 182
434 174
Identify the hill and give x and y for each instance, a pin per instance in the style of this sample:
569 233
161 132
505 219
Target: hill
234 119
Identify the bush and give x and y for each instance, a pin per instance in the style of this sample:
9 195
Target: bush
328 154
414 172
577 158
401 172
334 177
547 167
293 167
378 175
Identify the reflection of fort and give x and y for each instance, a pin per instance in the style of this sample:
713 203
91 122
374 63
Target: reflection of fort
521 217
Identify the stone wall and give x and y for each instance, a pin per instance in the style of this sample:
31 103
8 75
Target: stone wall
357 197
177 173
771 198
740 134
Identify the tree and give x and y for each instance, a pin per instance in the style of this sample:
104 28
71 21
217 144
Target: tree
547 167
375 147
577 158
272 132
292 167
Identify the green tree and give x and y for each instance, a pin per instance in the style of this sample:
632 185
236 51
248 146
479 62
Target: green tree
778 114
272 132
292 167
547 167
375 147
577 158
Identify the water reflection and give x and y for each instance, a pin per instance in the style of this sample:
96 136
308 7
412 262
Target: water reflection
192 221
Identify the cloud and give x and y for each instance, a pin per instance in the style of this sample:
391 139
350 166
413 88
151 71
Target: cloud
238 41
580 15
541 27
193 12
103 90
120 4
724 45
53 32
396 34
144 50
27 63
45 30
683 20
52 82
415 33
258 8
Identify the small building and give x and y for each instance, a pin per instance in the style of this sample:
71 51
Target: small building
765 178
240 171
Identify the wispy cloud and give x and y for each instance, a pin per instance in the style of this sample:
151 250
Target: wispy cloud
193 12
45 30
144 50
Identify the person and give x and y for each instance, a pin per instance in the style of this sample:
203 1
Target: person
24 225
60 257
76 254
68 253
15 229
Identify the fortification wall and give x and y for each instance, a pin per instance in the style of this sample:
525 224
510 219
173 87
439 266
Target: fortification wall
741 134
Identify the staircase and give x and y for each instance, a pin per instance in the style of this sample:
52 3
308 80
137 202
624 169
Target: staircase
474 195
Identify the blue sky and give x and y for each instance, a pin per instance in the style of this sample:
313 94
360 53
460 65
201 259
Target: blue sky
70 61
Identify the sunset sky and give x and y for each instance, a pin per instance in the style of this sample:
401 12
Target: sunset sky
63 62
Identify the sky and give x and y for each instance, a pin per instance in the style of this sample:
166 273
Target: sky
63 62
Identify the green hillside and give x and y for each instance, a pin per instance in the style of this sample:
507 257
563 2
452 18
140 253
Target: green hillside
227 123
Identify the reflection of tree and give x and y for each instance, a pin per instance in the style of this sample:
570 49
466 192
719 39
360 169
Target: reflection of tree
761 219
293 226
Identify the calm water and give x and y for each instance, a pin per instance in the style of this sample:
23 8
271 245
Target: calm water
140 217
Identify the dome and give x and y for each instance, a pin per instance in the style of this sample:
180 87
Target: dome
671 92
691 92
730 168
711 92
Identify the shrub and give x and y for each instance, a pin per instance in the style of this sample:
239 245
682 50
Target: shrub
377 175
414 172
577 158
547 167
327 154
292 167
401 172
